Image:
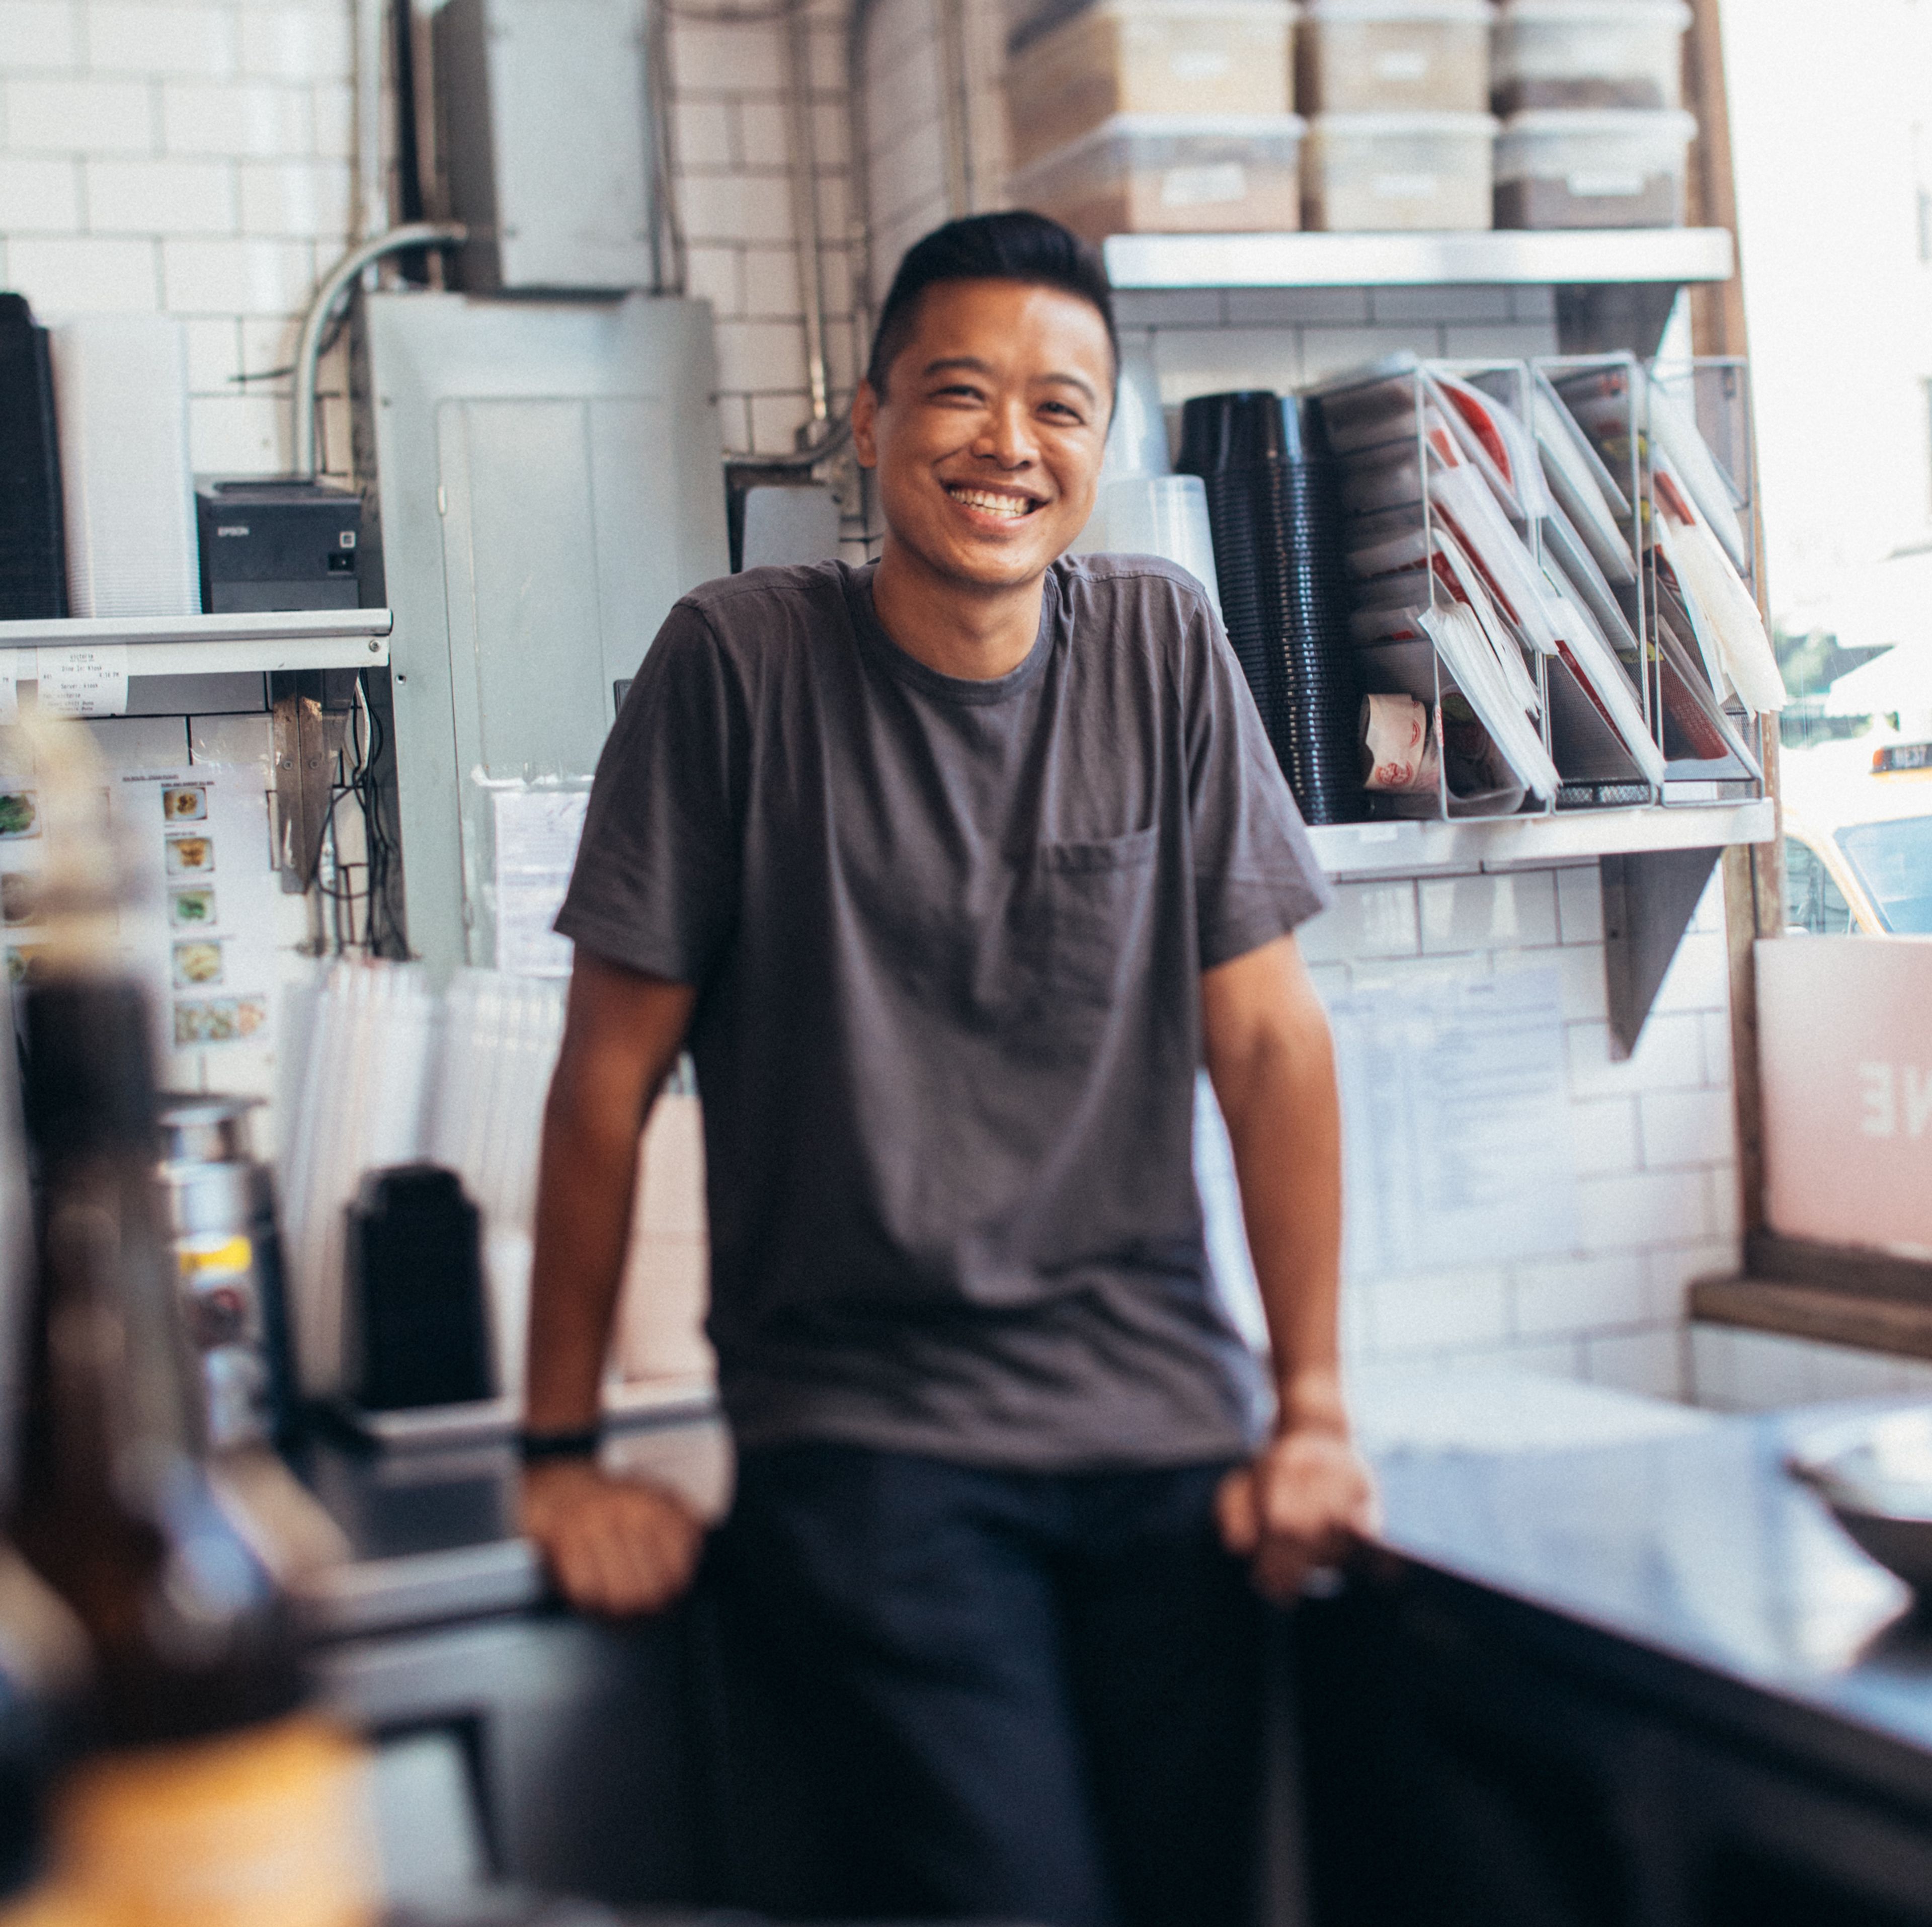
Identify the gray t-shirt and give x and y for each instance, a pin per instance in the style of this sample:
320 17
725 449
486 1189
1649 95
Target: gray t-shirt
948 937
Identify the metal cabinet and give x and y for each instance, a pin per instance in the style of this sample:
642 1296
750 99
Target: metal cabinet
550 481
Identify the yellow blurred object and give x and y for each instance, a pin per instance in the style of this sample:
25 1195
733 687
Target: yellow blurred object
52 1905
269 1827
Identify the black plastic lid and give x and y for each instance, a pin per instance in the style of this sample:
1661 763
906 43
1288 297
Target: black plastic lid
1241 429
90 1081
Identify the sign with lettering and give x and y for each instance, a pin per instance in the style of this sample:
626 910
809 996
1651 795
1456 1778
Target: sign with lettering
1845 1055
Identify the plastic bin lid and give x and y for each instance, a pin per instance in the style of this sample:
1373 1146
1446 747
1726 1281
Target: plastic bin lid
1630 123
1422 121
1597 13
1057 14
1165 127
1475 12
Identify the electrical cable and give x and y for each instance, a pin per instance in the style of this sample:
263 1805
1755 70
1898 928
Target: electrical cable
328 341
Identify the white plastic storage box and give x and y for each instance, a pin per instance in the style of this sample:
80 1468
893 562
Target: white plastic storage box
1172 174
1605 169
1382 173
1193 57
1589 53
1378 56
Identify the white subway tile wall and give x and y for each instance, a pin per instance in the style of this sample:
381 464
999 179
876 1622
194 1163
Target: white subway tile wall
1655 1143
191 156
1736 1370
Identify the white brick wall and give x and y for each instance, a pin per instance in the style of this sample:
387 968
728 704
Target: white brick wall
1736 1370
1654 1143
191 156
732 176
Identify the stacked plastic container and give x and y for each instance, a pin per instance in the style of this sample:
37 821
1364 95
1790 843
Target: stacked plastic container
1156 116
1271 500
1595 135
1397 92
1141 506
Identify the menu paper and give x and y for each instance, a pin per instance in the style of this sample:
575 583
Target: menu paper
537 832
84 679
1455 1122
199 928
9 685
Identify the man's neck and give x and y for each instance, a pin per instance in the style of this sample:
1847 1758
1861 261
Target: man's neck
964 630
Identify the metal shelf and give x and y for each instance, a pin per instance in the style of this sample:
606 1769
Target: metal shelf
220 645
1352 851
1572 257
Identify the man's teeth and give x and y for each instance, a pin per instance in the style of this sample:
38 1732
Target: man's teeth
994 505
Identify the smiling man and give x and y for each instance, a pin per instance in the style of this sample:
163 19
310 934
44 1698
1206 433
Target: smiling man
949 872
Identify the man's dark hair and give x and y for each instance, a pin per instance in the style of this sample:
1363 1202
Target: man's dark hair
1013 246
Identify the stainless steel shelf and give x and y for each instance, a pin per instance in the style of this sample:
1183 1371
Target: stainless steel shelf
1566 258
220 645
1353 851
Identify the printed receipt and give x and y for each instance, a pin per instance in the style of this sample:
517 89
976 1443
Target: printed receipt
537 832
84 679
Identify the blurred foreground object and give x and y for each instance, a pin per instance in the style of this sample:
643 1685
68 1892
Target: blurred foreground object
217 1799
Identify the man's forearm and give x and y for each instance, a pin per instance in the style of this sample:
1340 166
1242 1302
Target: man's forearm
587 1178
1278 1096
622 1034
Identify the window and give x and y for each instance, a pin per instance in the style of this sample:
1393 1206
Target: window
1894 862
1813 902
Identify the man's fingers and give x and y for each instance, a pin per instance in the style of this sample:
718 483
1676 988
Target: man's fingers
616 1549
1280 1568
1307 1497
1236 1514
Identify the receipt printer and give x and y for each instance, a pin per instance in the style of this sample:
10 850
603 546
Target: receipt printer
277 545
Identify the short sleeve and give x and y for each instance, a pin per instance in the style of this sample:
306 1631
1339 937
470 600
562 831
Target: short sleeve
655 885
1256 873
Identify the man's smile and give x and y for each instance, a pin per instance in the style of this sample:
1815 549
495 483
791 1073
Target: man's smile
1012 504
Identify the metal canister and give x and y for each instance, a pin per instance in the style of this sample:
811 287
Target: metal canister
221 1214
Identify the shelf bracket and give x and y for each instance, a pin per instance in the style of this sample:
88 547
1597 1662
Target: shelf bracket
1626 318
308 738
1649 899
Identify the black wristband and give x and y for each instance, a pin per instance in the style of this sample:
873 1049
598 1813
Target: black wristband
535 1447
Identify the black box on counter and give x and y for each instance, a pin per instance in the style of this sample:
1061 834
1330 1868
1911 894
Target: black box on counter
277 545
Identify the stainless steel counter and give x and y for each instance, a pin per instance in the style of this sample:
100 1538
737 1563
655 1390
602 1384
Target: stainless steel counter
432 1536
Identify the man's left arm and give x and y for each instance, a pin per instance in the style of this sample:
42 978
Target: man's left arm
1273 1065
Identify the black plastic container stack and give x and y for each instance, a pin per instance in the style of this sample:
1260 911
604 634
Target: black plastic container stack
1274 508
33 558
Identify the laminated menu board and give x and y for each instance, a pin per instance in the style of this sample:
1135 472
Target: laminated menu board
198 923
1455 1121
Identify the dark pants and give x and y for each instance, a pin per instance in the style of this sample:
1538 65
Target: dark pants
952 1692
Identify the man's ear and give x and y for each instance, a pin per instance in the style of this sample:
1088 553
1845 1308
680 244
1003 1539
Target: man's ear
865 421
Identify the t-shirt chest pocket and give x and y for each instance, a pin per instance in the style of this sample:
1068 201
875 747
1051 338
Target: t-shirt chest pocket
1081 911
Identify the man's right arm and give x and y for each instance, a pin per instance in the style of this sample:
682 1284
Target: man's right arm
613 1546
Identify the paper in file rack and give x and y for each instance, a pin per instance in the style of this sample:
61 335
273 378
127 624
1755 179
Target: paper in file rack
1591 501
1721 608
120 403
1554 625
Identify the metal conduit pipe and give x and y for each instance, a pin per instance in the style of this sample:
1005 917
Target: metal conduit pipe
336 286
805 215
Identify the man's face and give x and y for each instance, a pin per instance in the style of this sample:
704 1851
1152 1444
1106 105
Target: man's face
987 443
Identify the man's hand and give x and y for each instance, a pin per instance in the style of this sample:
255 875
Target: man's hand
614 1546
1296 1507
